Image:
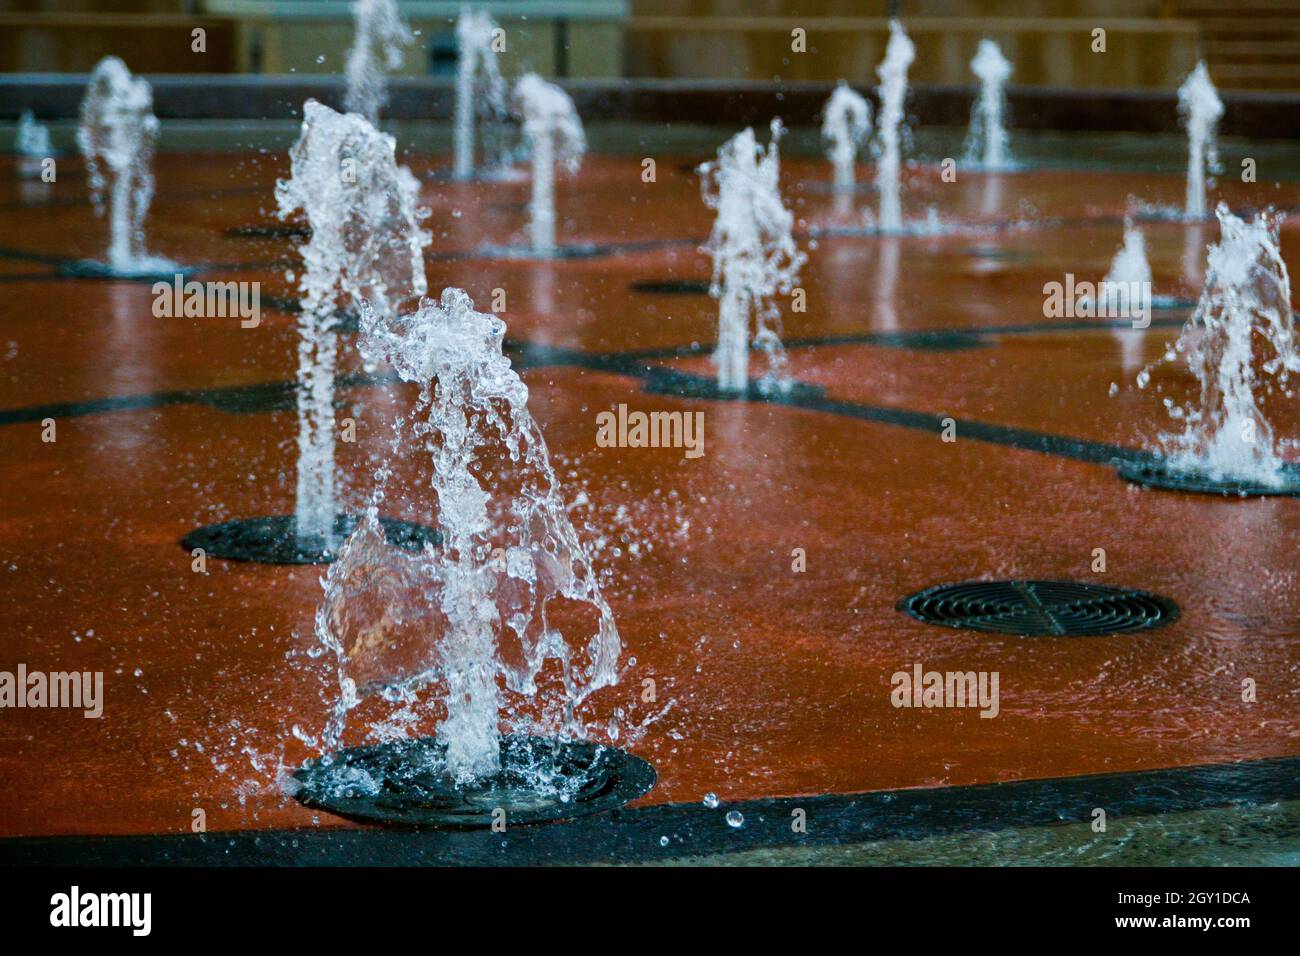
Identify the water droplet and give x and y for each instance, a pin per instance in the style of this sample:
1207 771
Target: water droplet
735 819
711 801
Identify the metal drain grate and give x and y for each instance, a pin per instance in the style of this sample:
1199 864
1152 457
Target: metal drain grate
405 783
1039 608
672 286
1159 475
274 540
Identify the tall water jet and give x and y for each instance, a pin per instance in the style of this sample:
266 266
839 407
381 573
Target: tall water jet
846 123
365 243
376 48
479 87
754 256
554 134
1200 108
888 147
987 143
117 135
485 606
1240 344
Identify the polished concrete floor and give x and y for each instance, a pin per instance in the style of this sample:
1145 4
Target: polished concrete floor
769 683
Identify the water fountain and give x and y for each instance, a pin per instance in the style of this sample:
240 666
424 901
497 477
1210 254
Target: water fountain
32 144
1201 108
754 257
1240 344
888 147
554 134
478 616
987 144
365 244
376 48
116 136
479 88
846 123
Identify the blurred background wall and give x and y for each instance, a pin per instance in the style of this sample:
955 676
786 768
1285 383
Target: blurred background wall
1150 44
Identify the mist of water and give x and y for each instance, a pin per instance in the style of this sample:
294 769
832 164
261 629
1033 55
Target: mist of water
117 135
479 89
365 243
1240 344
754 256
478 607
888 147
554 134
846 123
376 48
987 142
1200 108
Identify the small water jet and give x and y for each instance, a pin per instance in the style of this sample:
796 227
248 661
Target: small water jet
846 123
1200 108
32 144
376 48
554 134
754 257
987 143
1240 344
483 607
888 147
479 88
117 135
365 244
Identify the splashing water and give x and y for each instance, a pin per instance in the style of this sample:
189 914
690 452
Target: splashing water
888 147
754 256
987 142
33 139
1200 108
365 244
1127 286
846 122
478 86
482 605
116 136
554 134
1242 322
376 48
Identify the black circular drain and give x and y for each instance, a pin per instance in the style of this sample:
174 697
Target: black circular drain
672 286
1039 608
274 540
1158 474
269 232
404 783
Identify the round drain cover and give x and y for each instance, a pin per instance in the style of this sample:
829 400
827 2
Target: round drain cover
274 540
405 783
1039 608
672 286
1159 475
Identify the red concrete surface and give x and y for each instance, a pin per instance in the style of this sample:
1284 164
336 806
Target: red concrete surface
769 682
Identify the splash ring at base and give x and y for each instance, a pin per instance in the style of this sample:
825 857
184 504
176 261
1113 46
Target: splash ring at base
274 539
1159 475
427 797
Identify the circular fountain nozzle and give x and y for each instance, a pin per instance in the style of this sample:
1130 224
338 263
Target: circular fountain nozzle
275 539
405 783
1039 608
1158 474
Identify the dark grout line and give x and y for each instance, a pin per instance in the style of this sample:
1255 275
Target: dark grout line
634 836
